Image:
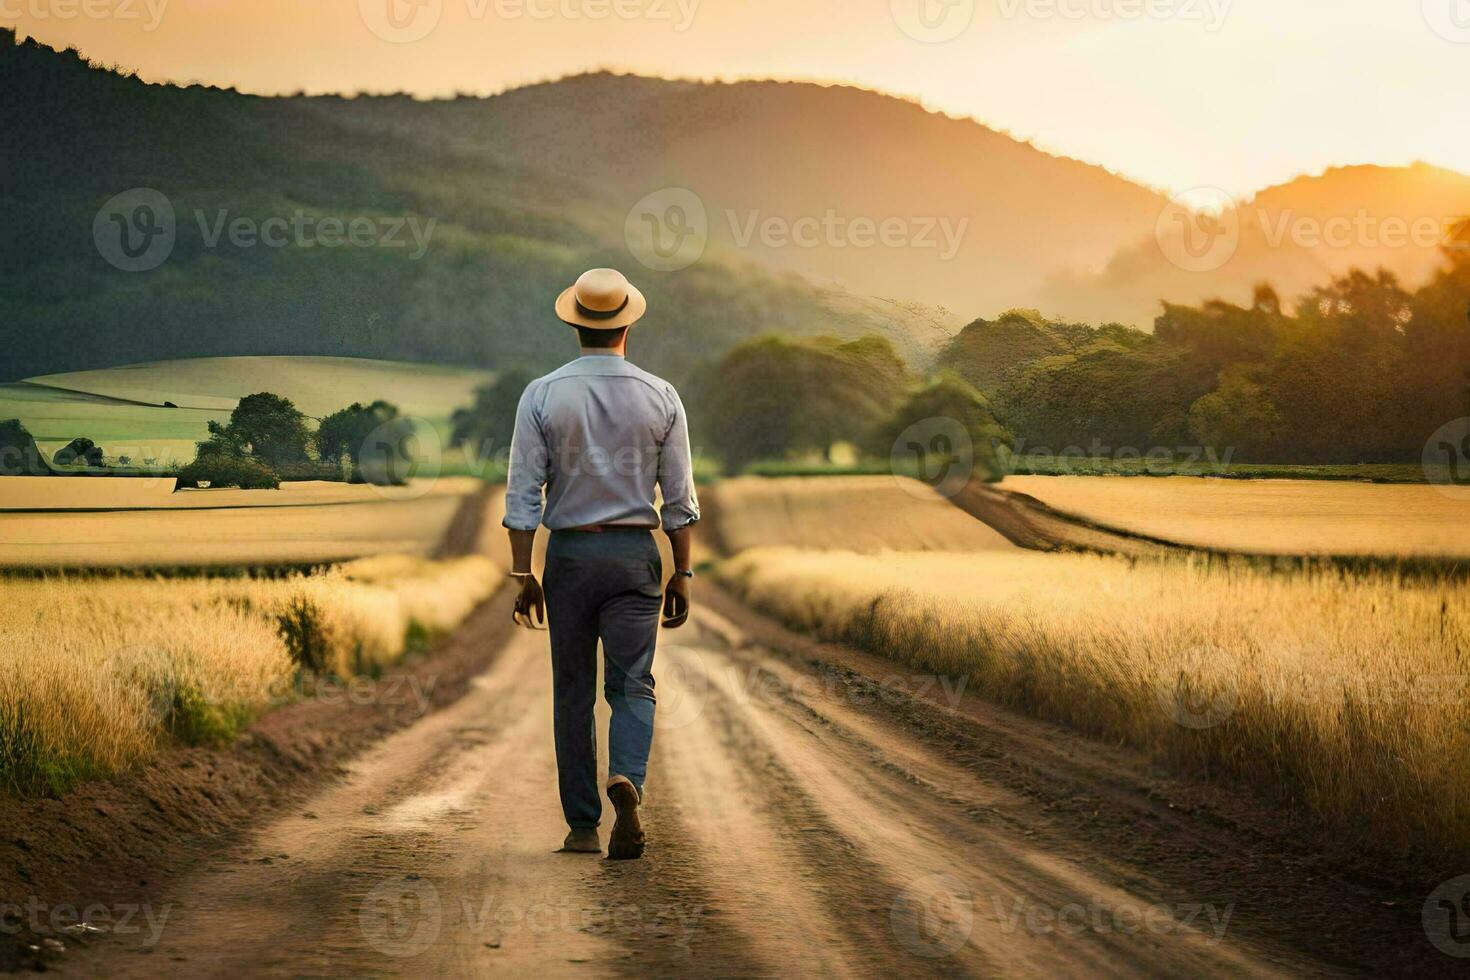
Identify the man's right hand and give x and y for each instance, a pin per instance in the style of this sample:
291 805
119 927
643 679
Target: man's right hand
530 600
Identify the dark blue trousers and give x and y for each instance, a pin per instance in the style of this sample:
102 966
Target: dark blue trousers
602 586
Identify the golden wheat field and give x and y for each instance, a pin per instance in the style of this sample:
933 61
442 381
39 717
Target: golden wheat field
96 673
855 513
1296 517
1349 692
298 524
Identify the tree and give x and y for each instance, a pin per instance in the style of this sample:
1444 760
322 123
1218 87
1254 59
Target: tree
933 416
486 427
19 454
79 451
1237 418
775 397
342 434
220 470
265 427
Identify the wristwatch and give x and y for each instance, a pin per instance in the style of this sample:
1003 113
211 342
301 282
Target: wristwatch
684 573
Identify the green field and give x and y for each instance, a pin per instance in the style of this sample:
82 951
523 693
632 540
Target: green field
122 410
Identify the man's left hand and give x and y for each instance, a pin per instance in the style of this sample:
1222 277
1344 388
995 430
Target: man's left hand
676 602
530 599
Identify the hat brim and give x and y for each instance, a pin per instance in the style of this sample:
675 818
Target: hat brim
566 309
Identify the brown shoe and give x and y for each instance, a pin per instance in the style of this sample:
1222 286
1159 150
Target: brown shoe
583 841
626 843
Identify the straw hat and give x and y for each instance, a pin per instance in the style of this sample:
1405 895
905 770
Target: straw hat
602 299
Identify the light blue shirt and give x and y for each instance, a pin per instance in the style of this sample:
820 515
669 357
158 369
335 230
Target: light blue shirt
598 435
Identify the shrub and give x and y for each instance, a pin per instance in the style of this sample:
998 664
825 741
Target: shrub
229 471
79 452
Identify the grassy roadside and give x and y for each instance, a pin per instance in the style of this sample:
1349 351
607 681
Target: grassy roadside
1345 693
98 673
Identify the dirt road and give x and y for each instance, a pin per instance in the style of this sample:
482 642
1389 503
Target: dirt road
798 825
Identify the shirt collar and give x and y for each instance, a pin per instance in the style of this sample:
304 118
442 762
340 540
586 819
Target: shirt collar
600 353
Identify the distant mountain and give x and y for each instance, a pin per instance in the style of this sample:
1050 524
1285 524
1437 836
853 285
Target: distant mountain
1294 237
827 210
463 246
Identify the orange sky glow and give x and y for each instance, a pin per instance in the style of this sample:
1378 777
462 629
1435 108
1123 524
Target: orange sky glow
1179 94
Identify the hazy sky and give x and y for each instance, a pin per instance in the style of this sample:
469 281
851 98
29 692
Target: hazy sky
1236 94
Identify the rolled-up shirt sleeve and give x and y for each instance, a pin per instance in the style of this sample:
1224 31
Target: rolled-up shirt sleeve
529 467
676 472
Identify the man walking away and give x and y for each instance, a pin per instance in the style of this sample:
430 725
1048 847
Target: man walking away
599 436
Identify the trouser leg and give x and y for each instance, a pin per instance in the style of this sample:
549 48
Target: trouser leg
628 624
573 620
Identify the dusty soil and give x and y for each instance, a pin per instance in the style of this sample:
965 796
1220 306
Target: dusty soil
810 810
124 841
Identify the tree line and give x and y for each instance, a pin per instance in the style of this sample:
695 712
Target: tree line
1361 370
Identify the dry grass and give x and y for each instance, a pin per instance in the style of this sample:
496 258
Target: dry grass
1295 517
96 674
1347 693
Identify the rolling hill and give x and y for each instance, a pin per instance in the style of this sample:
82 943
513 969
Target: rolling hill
1295 236
478 210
